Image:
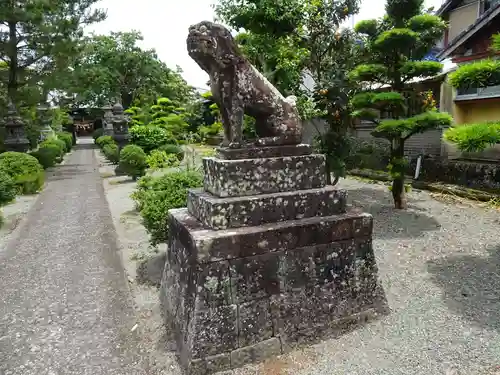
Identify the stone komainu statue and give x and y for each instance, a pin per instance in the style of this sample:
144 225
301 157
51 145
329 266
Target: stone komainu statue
238 89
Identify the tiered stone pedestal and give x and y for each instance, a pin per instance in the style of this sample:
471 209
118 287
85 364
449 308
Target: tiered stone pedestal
264 258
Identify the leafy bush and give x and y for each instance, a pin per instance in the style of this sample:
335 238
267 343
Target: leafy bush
104 140
133 161
150 137
67 138
368 154
160 159
47 154
112 152
156 195
210 130
8 188
97 133
474 137
24 169
173 149
60 144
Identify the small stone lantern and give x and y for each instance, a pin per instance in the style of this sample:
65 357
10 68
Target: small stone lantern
107 121
15 135
120 126
44 120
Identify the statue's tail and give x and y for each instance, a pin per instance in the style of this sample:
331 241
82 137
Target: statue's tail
292 100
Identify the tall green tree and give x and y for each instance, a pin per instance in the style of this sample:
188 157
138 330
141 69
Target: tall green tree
114 65
39 37
396 46
484 73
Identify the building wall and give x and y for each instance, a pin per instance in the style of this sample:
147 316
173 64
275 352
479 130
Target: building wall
462 17
428 143
478 110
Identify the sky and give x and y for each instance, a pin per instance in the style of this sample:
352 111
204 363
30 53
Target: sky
164 25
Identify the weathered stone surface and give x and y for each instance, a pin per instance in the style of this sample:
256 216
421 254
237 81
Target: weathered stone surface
255 322
210 364
256 353
253 152
234 178
213 331
238 89
206 245
255 277
254 292
235 212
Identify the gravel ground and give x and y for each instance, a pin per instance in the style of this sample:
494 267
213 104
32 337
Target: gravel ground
13 213
65 304
439 264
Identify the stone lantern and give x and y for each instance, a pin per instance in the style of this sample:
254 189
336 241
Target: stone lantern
15 135
120 126
44 120
107 121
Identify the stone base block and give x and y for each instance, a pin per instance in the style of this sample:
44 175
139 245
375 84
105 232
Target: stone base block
240 295
263 152
235 212
243 177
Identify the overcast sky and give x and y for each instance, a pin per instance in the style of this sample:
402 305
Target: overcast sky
164 25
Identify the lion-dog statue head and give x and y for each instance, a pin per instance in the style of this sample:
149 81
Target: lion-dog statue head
212 46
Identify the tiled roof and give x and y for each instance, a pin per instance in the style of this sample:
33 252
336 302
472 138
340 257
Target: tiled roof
446 5
471 30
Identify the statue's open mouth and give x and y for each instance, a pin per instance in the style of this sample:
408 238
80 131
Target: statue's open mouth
198 43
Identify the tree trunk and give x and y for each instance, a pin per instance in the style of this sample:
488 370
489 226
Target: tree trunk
398 173
12 83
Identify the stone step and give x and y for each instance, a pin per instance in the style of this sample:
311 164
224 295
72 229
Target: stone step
234 212
244 177
210 245
263 152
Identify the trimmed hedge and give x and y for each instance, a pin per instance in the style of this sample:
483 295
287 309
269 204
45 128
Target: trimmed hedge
104 140
133 161
24 169
8 188
67 138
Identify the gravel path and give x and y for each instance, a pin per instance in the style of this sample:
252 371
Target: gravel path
440 268
65 304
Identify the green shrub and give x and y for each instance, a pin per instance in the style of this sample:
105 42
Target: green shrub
133 161
156 195
213 130
104 140
61 145
24 169
173 149
150 137
67 138
47 154
112 152
8 188
97 133
160 159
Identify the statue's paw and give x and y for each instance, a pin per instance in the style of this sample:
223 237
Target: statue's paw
234 145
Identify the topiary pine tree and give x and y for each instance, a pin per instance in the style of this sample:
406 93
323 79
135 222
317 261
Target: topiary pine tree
476 137
395 46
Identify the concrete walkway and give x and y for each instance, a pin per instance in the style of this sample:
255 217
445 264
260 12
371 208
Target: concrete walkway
64 300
